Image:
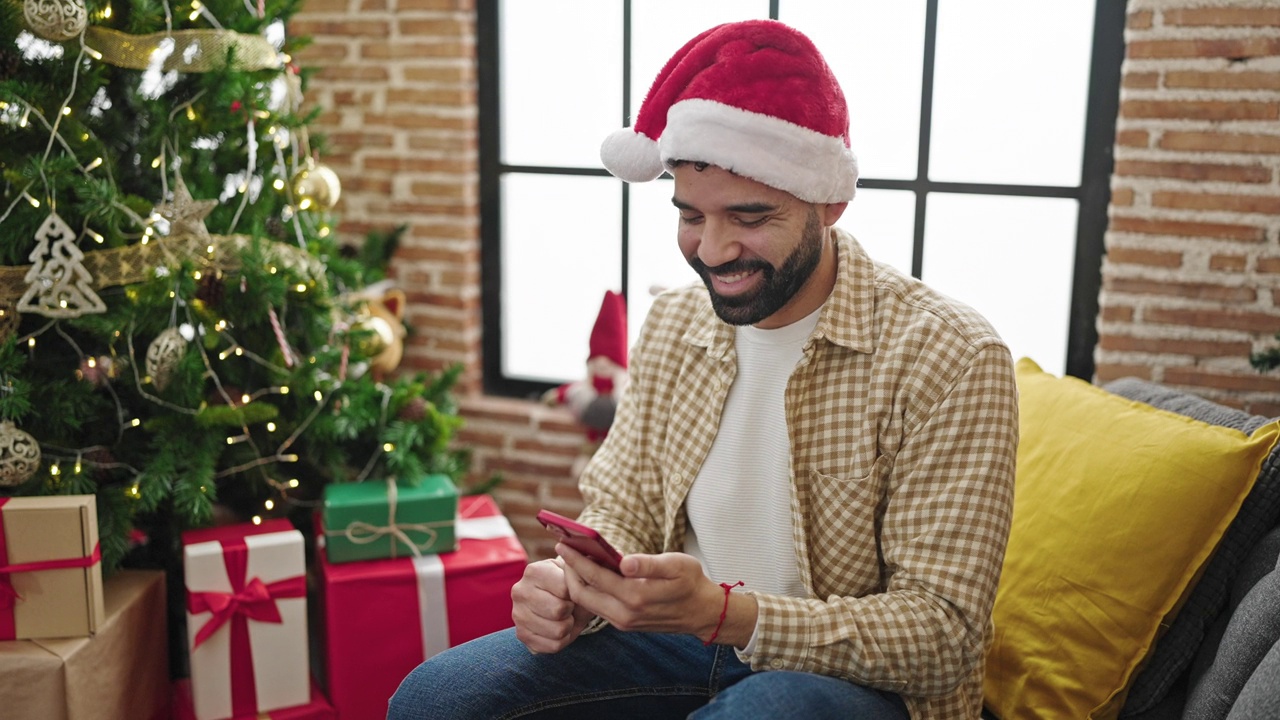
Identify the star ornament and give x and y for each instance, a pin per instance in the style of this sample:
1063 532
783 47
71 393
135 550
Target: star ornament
185 214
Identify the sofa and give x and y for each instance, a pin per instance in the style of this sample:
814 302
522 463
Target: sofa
1141 580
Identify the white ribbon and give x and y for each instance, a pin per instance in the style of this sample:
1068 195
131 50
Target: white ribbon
432 612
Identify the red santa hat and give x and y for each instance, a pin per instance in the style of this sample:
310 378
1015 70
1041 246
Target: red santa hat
753 97
609 335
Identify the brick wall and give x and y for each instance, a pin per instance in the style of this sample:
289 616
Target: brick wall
1191 280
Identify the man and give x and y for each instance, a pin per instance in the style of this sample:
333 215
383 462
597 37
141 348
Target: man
811 473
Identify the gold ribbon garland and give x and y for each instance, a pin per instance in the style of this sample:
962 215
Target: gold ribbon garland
136 263
192 51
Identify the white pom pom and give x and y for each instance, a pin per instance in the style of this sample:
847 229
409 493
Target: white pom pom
631 156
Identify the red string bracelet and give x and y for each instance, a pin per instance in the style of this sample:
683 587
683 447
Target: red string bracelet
725 611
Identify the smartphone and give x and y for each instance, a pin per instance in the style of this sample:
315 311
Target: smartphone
582 538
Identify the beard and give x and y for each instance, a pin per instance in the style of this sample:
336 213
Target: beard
778 284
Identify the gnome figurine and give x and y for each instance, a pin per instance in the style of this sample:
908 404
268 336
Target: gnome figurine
594 399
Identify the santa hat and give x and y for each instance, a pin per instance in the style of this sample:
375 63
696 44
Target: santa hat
755 98
609 335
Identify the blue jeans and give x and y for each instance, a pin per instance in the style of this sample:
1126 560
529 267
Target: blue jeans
613 674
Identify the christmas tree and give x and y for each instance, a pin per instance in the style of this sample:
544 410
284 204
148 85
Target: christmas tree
181 333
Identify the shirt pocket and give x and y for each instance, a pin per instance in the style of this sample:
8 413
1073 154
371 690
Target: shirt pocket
844 532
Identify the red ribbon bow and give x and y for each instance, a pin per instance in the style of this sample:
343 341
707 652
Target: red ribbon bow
256 600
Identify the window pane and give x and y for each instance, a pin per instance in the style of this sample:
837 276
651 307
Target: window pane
655 259
554 271
1010 88
1011 259
556 109
661 27
876 50
883 221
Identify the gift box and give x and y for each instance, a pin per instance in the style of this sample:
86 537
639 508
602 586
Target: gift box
318 708
381 618
50 567
373 520
246 619
120 672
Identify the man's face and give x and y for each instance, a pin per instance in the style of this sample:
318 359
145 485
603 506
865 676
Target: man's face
755 247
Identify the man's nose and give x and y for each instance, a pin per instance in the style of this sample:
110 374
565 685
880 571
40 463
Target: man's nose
718 244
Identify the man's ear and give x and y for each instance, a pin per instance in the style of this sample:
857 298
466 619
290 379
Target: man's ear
831 212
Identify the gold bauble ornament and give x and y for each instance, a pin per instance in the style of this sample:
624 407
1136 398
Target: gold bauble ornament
56 20
163 356
376 334
316 185
19 455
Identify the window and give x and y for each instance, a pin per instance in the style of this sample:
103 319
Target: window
983 130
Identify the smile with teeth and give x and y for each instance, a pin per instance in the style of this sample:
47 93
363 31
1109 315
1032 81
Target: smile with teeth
735 280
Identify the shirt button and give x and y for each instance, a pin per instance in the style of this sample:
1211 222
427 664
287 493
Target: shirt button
776 664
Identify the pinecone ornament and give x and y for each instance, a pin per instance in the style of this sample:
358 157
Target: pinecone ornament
414 410
9 62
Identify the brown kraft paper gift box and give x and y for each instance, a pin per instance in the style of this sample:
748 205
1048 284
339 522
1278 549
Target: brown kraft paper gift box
121 672
51 579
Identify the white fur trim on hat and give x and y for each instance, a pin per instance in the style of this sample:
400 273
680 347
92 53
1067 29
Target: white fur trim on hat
631 156
812 166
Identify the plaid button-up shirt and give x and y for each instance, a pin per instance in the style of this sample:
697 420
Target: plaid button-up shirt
902 416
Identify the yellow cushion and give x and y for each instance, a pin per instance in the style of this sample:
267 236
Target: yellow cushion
1116 507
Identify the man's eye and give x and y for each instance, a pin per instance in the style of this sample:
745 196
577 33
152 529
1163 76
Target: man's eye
753 222
690 219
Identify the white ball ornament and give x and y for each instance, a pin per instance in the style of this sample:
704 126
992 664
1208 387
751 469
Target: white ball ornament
163 356
19 455
56 20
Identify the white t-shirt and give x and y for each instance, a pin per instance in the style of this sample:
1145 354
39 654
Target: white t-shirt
739 506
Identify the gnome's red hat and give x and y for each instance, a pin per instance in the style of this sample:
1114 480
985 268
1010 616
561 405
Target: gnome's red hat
609 335
753 97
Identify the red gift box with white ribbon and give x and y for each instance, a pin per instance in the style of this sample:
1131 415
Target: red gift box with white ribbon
246 619
382 618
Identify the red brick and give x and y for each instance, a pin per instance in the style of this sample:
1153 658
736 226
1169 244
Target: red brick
1222 17
1200 377
1139 256
1200 110
1208 292
344 28
1230 48
1213 319
416 50
1116 313
1223 231
1194 171
1133 138
445 27
1222 80
1221 142
1166 346
1122 196
356 73
1106 372
1141 80
1228 263
1268 264
1140 20
1265 204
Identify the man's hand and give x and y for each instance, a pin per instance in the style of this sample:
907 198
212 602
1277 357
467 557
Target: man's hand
655 593
546 619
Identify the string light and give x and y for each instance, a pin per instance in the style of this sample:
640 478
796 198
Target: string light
306 203
257 519
31 343
93 165
26 115
96 237
191 114
220 325
324 231
135 422
196 275
245 399
195 10
54 470
293 482
284 389
106 12
156 163
319 397
388 447
269 504
301 287
278 184
289 458
34 202
271 427
94 53
66 110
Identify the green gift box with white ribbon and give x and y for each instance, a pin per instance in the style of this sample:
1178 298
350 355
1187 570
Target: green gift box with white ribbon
374 519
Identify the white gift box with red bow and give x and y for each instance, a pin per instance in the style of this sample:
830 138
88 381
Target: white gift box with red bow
246 619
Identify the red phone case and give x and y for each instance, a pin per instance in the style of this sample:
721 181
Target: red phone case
582 538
